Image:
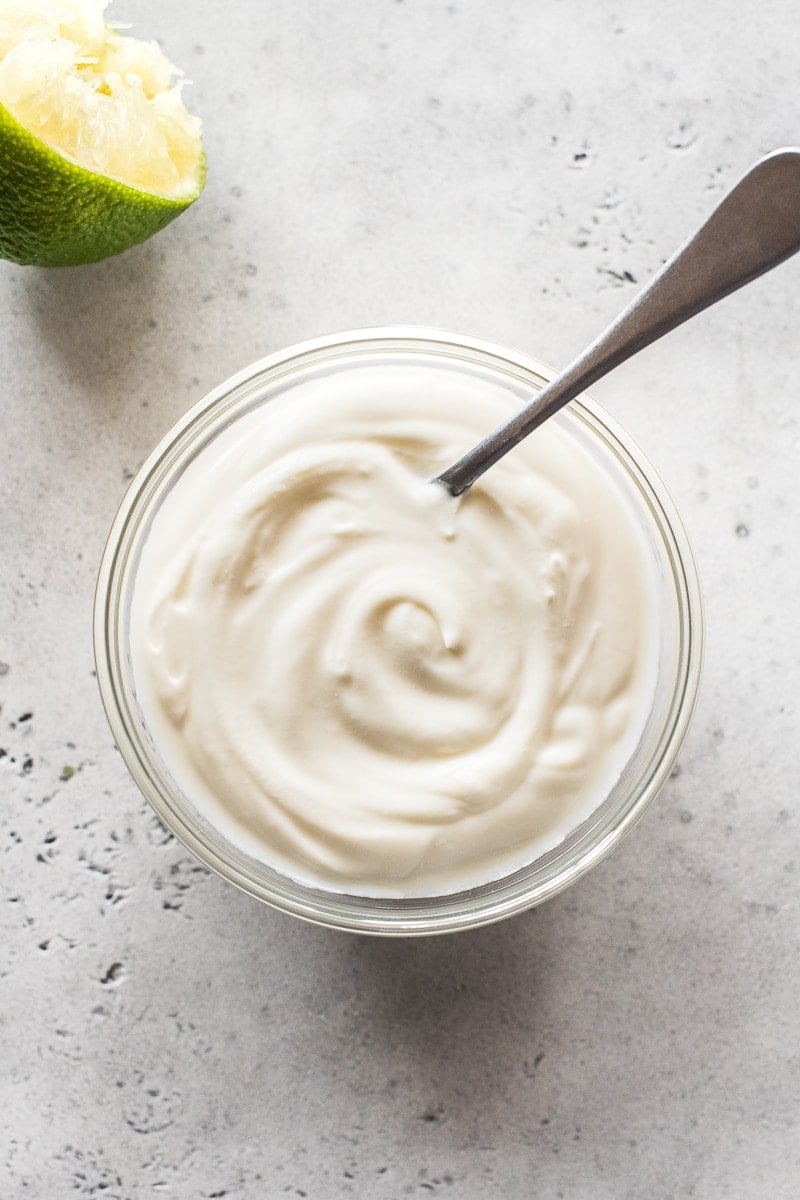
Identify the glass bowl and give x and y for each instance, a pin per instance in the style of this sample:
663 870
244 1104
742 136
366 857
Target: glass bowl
679 635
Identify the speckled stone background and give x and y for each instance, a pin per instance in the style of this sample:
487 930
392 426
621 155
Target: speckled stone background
513 170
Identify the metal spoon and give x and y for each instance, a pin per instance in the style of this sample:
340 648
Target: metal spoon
753 229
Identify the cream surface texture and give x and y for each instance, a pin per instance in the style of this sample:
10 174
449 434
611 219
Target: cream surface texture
374 687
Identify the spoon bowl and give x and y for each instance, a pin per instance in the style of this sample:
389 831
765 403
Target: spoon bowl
677 627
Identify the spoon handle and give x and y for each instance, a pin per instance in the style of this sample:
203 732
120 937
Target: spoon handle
754 228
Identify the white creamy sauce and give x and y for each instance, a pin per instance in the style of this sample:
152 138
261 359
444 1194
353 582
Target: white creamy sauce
374 687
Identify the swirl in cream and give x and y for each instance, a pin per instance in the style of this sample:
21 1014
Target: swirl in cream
368 684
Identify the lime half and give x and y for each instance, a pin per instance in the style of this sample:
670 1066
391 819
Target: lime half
97 148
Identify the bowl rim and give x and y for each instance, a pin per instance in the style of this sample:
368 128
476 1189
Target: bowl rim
463 910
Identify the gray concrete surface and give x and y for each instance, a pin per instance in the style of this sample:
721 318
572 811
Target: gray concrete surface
513 170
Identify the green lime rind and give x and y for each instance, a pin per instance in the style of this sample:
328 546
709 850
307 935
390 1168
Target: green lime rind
55 213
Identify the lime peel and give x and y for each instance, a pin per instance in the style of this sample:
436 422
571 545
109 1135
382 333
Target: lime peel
97 149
